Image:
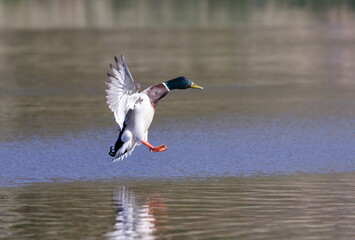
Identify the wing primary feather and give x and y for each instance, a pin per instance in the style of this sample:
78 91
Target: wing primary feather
125 67
114 70
122 91
109 75
117 62
119 65
112 67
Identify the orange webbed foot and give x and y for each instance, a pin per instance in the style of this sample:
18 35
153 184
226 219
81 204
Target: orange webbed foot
160 148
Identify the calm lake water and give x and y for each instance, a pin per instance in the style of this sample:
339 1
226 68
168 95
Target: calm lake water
266 151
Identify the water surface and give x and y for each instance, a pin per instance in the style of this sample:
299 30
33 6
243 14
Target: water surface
297 207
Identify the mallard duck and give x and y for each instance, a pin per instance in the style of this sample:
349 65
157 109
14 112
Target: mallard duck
133 110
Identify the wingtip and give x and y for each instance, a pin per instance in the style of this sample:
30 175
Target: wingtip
117 61
123 60
110 75
112 67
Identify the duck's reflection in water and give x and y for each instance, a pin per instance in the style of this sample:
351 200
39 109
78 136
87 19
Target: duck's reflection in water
135 220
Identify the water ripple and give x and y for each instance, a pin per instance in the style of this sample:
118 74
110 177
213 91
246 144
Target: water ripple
305 206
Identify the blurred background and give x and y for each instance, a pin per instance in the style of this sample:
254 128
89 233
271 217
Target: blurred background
270 57
266 151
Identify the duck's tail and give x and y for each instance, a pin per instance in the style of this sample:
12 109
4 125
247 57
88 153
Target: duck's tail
123 146
126 150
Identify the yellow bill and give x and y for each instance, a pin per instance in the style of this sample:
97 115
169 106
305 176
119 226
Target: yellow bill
193 85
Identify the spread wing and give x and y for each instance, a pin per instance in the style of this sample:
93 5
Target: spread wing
122 91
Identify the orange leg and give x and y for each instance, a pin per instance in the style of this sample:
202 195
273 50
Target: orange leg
160 148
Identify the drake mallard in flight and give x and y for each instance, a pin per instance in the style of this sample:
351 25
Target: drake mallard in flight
134 111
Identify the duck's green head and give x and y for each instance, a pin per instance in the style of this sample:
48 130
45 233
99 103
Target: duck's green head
181 83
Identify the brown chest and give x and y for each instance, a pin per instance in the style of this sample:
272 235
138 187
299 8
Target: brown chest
156 92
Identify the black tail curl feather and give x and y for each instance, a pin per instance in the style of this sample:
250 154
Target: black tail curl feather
118 144
112 152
